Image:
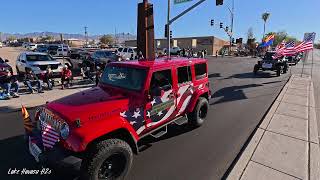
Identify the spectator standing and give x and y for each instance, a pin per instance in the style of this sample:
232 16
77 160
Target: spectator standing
98 75
30 79
66 75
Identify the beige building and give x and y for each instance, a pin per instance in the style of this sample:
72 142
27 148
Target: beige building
209 43
75 42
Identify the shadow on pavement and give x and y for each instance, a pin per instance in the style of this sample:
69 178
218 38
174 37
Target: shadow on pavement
214 75
247 75
232 93
173 131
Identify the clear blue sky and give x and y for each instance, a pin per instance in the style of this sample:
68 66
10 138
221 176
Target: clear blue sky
103 16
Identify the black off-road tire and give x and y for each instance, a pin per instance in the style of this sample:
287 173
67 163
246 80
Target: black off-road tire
285 68
255 69
197 116
99 153
278 70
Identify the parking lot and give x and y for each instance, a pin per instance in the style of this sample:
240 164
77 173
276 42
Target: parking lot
240 100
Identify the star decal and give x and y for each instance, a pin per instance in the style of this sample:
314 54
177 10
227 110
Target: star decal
132 122
148 114
160 113
153 102
136 114
123 114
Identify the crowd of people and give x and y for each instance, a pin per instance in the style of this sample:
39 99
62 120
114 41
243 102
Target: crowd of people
10 86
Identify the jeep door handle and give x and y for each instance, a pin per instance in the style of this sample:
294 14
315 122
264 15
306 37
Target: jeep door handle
171 95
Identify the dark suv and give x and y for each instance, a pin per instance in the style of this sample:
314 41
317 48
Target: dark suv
270 63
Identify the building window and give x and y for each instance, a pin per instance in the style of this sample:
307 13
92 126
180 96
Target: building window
201 70
194 43
184 74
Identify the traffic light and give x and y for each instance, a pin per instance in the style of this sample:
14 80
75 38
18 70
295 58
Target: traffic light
219 2
170 34
227 28
221 25
212 22
166 30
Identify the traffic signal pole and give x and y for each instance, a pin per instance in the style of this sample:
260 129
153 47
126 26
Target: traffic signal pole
168 31
169 22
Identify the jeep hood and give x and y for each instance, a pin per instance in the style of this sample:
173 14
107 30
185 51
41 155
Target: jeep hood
89 105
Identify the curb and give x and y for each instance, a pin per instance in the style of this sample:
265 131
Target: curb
251 136
243 159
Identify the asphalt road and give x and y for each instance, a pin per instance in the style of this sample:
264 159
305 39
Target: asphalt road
240 101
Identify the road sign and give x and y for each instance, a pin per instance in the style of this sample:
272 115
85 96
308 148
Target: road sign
181 1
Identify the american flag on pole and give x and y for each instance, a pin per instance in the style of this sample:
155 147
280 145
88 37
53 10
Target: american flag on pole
49 135
307 42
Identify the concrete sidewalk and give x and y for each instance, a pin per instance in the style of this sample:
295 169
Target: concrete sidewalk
285 146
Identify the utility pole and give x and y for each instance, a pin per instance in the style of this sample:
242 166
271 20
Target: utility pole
86 34
168 30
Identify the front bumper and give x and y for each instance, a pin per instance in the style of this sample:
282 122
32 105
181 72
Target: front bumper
53 156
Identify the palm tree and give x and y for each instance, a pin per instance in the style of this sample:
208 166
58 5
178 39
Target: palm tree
265 17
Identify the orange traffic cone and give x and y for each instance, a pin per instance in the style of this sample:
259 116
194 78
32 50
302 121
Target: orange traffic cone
28 125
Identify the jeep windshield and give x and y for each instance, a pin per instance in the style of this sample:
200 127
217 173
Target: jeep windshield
268 55
124 77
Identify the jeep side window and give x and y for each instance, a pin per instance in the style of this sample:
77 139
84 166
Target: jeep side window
201 70
161 80
184 74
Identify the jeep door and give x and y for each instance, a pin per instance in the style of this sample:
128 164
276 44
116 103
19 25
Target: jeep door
185 88
162 105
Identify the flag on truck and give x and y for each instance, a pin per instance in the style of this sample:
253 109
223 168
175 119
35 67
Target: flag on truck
307 43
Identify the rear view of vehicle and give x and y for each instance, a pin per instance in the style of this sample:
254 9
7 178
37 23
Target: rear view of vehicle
32 47
269 63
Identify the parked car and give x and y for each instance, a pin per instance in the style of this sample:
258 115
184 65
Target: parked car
134 99
268 63
52 49
38 63
62 51
25 44
173 50
101 58
32 47
42 48
127 52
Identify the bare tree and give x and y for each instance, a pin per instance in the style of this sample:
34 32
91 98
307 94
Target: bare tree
250 34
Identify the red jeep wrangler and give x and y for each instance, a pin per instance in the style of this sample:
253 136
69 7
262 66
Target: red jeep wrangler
134 99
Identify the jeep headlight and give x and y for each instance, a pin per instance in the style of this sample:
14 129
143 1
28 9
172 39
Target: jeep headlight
64 131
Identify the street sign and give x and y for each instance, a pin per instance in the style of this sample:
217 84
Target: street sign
181 1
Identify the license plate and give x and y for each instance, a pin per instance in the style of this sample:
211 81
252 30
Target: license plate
267 65
34 150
